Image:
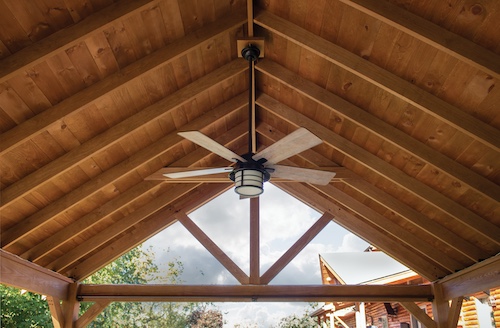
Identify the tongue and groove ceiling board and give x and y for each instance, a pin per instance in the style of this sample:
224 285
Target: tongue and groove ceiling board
404 94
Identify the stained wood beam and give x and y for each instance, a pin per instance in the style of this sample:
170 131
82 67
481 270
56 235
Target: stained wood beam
383 79
481 276
440 307
119 131
212 247
114 205
382 129
70 36
430 33
461 214
88 221
71 306
144 230
120 79
22 274
97 240
265 293
417 219
435 256
365 230
296 248
254 241
56 312
91 313
454 314
142 157
418 313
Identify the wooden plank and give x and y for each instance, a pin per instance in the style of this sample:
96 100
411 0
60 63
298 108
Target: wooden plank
389 82
118 132
424 192
430 33
418 313
70 36
366 231
56 311
128 221
20 273
91 313
382 129
146 155
408 213
481 276
254 241
455 309
128 75
396 231
212 247
296 248
87 221
144 230
71 306
254 293
440 307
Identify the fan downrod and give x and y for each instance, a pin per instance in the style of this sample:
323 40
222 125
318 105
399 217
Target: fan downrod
250 53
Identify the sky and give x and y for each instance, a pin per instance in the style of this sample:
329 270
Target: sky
283 220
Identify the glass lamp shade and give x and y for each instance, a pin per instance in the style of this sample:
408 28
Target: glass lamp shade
249 182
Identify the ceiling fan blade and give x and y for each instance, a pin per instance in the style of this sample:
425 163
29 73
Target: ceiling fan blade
294 143
194 173
302 175
212 145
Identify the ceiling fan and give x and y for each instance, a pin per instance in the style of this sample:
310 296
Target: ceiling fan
251 170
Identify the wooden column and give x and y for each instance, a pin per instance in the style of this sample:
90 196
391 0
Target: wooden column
254 241
440 307
71 307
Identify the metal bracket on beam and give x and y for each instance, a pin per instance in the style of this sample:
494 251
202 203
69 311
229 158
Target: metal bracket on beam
256 42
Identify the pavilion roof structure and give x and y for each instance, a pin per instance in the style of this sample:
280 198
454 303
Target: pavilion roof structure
403 94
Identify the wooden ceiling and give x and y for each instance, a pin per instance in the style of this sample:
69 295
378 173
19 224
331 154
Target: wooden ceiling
404 94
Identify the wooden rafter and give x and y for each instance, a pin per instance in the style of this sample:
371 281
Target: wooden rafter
119 80
381 129
432 34
119 131
70 36
419 189
144 230
413 217
146 155
381 78
366 231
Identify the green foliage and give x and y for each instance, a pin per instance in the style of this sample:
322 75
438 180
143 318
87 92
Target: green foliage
23 310
135 267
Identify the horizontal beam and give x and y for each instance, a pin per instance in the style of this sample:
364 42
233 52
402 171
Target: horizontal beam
253 293
19 273
479 277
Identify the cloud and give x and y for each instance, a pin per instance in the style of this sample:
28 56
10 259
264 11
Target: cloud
352 243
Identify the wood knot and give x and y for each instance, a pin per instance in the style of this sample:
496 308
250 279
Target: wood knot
476 9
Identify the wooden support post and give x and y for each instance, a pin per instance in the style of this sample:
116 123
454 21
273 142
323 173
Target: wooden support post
454 314
254 241
71 306
440 307
418 313
91 313
56 311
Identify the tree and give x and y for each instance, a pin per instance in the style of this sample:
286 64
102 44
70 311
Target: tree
135 267
303 321
203 318
23 309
